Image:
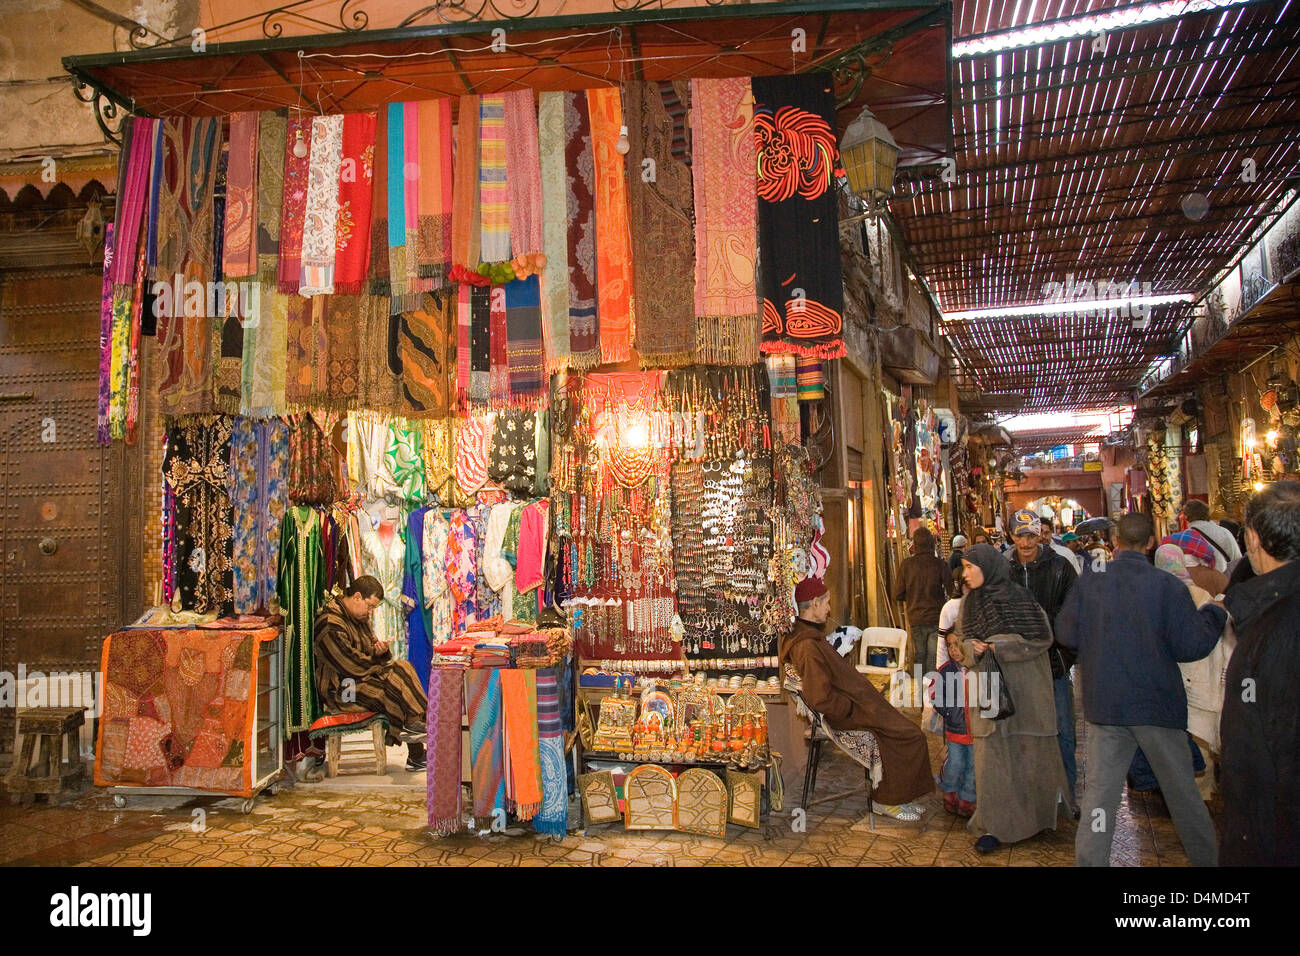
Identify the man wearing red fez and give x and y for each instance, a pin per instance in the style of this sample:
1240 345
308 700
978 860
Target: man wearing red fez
848 701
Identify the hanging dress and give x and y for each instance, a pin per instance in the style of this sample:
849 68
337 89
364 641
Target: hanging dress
196 466
387 563
301 587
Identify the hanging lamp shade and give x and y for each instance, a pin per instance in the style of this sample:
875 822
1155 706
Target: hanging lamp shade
870 156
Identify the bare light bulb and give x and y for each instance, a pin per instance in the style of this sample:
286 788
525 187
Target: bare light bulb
299 145
622 145
1259 486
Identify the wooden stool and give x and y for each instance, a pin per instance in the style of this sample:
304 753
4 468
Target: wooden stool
335 727
49 770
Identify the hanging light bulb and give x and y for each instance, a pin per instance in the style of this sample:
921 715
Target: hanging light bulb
299 145
623 145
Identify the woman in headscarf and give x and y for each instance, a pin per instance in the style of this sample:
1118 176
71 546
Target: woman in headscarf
1018 771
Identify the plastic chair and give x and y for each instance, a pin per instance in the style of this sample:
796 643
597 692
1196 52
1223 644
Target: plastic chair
891 637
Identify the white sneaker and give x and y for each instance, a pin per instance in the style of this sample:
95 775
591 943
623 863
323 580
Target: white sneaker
904 814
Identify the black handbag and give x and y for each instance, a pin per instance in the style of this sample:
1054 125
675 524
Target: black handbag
994 692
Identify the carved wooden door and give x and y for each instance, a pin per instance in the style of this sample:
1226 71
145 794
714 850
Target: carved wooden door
64 530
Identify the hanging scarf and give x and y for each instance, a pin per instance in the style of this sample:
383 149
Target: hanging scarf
440 458
311 462
239 250
259 464
262 376
151 213
118 361
105 337
523 173
378 387
132 358
580 201
798 216
294 203
337 362
553 817
465 212
487 769
132 199
397 186
555 278
356 188
426 357
300 351
494 190
414 175
524 342
724 165
444 740
663 265
499 373
472 442
480 344
321 215
462 345
435 192
613 241
519 718
377 275
999 605
230 314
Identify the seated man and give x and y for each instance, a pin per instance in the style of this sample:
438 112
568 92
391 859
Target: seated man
833 687
355 672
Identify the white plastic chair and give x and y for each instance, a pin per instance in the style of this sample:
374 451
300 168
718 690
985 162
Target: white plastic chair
891 637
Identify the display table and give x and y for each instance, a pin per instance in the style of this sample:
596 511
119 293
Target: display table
190 710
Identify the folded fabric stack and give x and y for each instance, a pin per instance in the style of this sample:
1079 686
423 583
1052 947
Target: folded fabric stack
456 654
530 650
559 642
491 650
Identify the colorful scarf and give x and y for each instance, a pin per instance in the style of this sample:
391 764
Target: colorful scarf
356 188
555 278
228 317
524 342
499 373
321 215
435 199
798 216
523 173
378 387
809 381
378 272
105 337
663 266
487 771
462 345
337 363
440 458
132 199
519 717
472 442
444 733
262 378
580 201
494 190
294 204
259 465
613 242
426 357
724 167
411 203
553 817
397 186
480 344
300 351
465 239
151 215
132 359
239 251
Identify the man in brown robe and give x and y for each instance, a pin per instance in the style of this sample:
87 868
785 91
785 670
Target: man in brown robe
356 673
848 701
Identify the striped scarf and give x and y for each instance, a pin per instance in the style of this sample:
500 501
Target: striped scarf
553 818
494 189
487 768
555 219
524 342
465 211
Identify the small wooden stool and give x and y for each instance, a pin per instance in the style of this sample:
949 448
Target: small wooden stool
334 727
49 771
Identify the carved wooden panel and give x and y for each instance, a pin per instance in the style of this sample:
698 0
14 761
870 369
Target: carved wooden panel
62 538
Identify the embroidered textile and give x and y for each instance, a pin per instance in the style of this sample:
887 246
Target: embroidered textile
513 459
384 558
378 271
294 205
196 466
613 241
439 441
553 817
301 584
239 248
320 216
259 465
555 221
580 164
444 756
480 344
311 462
355 188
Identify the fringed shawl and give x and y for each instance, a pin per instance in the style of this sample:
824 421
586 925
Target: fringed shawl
294 203
613 241
579 161
320 218
356 181
555 224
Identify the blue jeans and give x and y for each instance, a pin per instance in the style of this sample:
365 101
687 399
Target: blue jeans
1063 691
958 773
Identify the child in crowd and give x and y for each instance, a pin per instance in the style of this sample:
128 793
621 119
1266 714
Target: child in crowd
952 702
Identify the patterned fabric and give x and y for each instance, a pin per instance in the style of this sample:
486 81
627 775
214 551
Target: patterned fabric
523 605
663 263
580 201
798 217
444 757
294 205
513 458
105 337
178 709
495 566
398 183
336 381
378 387
519 722
437 548
494 192
356 178
440 458
462 345
418 620
427 357
499 348
300 350
311 463
378 273
463 573
411 195
473 439
480 343
266 337
384 558
487 602
487 768
321 214
404 459
259 464
523 172
553 817
613 240
239 250
301 589
465 212
524 342
810 384
555 224
229 315
196 466
434 257
724 167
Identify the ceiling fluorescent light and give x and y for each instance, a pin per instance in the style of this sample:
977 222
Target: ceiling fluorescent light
1070 28
1099 306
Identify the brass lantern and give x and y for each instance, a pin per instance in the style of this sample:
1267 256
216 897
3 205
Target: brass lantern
870 157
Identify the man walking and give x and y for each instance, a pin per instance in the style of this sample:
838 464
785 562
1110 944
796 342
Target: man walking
1260 727
1048 577
1131 626
922 582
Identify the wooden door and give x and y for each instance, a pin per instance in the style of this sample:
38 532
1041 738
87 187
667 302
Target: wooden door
63 539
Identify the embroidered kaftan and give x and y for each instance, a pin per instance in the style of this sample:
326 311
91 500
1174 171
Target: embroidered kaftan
196 466
437 588
463 572
301 584
259 458
386 562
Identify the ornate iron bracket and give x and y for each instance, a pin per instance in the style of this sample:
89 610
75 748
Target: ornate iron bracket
108 114
350 21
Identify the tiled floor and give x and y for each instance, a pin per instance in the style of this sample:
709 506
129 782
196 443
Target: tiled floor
376 821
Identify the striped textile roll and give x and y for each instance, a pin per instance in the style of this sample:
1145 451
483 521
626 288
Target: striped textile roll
811 382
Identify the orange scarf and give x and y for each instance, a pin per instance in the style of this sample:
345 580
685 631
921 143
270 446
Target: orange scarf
613 241
523 762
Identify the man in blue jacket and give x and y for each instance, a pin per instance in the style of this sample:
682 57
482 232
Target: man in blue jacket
1131 626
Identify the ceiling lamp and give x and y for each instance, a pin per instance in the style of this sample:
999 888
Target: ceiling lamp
870 157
